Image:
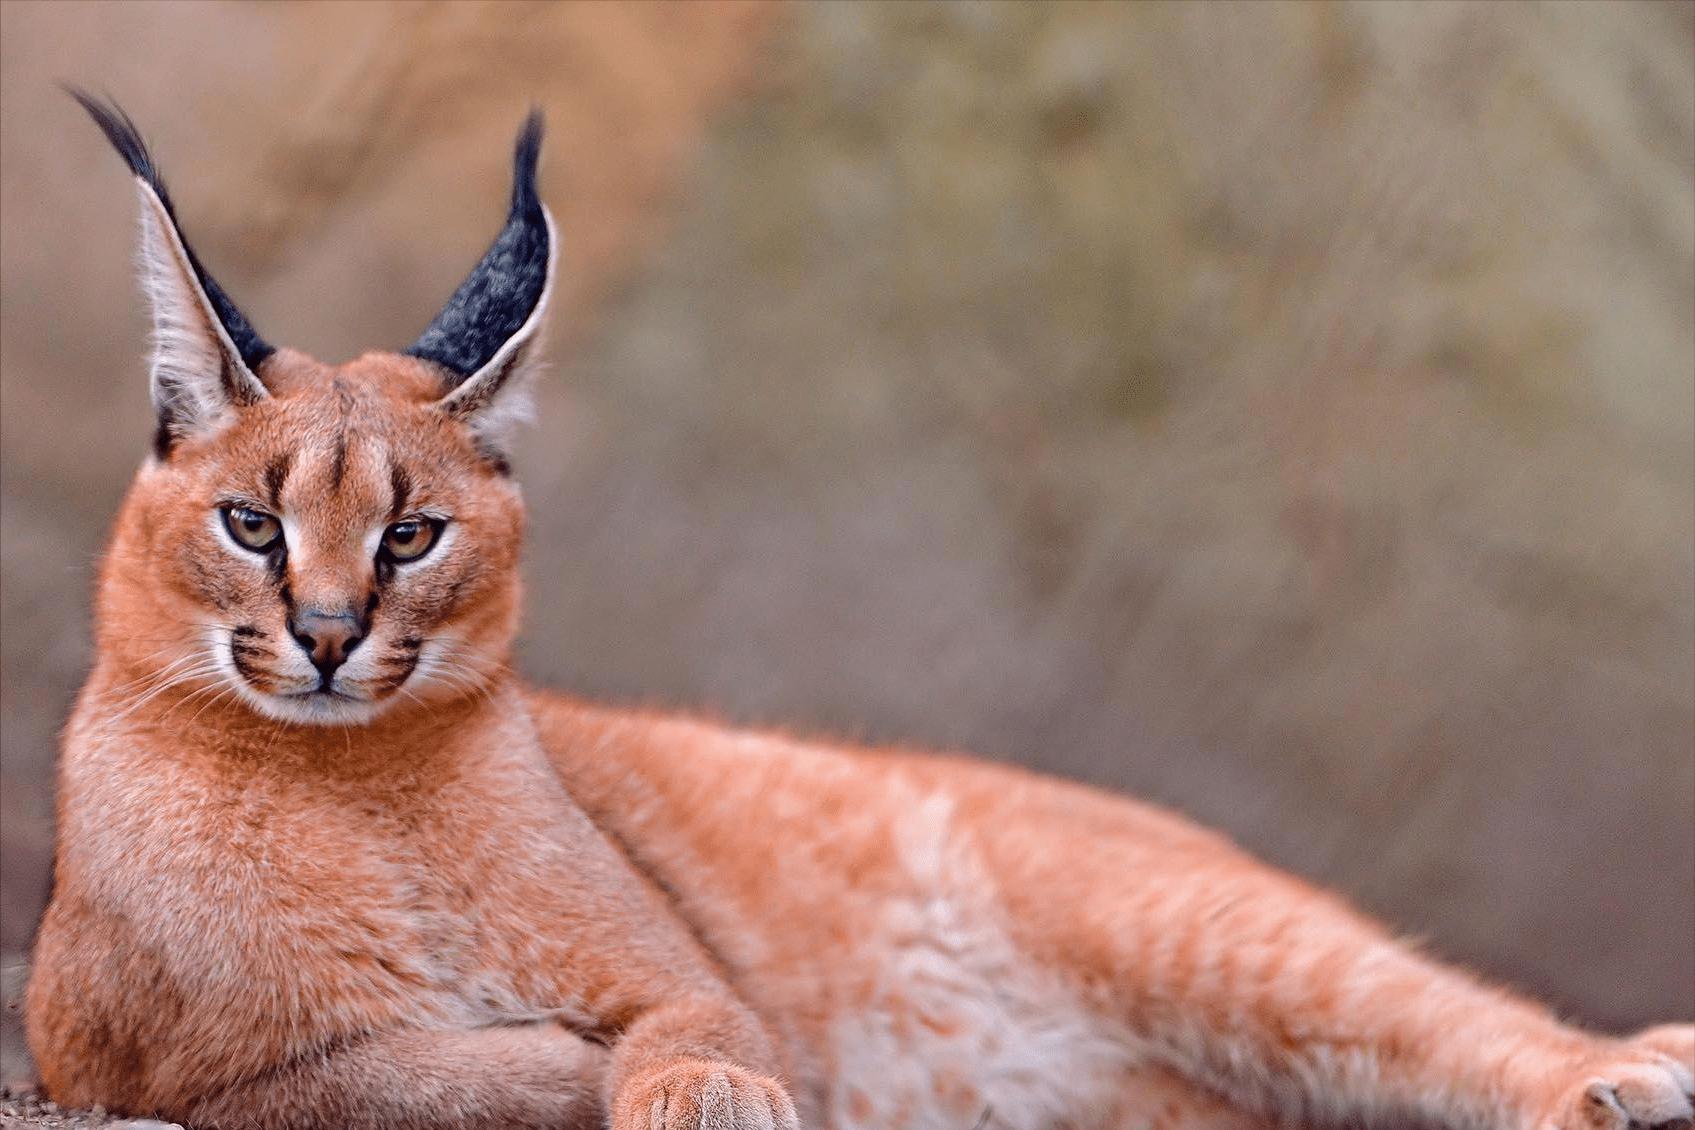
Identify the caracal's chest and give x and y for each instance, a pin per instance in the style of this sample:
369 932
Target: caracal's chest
460 901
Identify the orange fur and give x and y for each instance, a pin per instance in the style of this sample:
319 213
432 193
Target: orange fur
437 898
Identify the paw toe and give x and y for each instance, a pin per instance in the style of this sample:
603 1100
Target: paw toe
1651 1096
1640 1090
704 1096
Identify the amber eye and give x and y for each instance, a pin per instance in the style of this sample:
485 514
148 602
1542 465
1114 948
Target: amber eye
411 538
252 529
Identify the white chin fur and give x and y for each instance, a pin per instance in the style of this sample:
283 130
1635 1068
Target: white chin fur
313 709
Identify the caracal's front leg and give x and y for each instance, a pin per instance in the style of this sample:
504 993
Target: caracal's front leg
690 1063
519 1077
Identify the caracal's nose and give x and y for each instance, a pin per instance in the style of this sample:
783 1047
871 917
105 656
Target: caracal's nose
328 638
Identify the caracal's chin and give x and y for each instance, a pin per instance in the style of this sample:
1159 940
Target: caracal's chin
317 707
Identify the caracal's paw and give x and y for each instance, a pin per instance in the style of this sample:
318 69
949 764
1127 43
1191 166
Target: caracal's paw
698 1094
1646 1081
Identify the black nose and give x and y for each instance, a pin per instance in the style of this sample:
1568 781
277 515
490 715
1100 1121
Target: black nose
328 638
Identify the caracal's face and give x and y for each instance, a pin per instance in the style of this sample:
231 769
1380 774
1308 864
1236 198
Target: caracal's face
324 542
340 547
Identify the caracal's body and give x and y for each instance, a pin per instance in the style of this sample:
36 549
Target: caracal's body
323 862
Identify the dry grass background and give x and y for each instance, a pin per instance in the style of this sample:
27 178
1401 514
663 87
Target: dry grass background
1283 411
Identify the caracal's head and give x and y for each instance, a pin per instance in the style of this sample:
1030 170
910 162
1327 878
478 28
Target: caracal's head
324 543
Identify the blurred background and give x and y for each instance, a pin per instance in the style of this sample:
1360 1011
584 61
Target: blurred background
1282 411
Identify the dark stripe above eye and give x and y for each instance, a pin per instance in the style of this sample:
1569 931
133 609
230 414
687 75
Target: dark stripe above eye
402 484
276 474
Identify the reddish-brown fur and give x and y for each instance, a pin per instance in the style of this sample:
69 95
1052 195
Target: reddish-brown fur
441 899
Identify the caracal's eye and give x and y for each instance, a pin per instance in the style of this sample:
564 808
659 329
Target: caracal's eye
253 529
411 538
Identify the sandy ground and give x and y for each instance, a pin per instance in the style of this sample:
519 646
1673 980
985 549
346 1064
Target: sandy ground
20 1106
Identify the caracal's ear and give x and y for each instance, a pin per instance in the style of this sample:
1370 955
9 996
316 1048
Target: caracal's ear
206 355
487 340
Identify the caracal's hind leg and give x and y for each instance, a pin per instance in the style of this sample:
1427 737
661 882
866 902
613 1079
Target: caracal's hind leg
1279 996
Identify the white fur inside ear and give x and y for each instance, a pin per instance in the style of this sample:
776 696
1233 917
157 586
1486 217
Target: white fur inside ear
198 376
511 408
496 399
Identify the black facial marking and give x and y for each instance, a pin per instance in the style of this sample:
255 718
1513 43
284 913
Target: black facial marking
244 631
338 463
163 438
497 299
276 562
401 482
126 139
243 646
276 474
244 657
397 668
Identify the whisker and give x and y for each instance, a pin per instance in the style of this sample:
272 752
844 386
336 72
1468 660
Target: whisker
214 700
168 679
142 680
198 692
198 672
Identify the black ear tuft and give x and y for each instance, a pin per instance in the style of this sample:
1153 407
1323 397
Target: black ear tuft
499 296
126 139
525 154
121 131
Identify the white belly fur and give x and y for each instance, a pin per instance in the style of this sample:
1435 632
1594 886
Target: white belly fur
951 1027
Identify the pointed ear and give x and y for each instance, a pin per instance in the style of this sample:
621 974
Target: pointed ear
205 353
488 338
